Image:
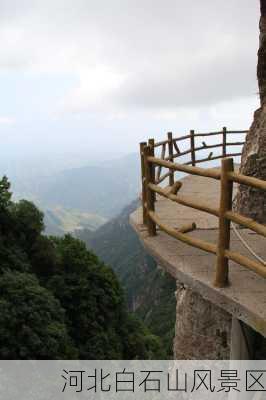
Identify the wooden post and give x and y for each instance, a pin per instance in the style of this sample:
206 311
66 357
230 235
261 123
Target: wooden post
224 141
151 144
171 153
144 212
192 147
226 187
149 195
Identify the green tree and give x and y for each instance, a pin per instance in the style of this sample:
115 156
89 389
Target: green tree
5 202
31 320
43 257
139 343
28 222
95 307
57 300
5 194
92 298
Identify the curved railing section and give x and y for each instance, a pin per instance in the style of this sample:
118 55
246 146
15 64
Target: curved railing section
152 165
193 148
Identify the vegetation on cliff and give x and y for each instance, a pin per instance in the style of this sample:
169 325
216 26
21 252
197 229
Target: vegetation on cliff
57 300
150 292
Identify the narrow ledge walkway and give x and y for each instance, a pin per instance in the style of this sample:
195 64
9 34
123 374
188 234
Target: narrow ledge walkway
245 297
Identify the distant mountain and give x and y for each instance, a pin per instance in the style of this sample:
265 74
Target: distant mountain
78 198
150 292
59 220
97 192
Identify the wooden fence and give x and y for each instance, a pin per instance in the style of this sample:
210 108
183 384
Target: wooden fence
151 167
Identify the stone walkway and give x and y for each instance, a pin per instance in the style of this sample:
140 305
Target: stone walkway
245 298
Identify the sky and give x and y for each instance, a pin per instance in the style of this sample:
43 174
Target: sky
83 80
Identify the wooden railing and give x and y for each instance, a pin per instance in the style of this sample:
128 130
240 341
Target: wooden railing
152 166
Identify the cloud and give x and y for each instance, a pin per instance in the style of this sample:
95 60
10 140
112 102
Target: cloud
128 55
94 91
6 120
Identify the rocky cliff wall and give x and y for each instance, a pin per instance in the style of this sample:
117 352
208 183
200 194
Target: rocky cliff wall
202 330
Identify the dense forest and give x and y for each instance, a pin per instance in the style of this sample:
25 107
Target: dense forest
150 292
57 299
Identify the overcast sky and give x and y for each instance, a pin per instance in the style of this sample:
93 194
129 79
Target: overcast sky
83 76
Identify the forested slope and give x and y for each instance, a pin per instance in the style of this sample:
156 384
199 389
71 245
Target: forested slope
150 292
57 299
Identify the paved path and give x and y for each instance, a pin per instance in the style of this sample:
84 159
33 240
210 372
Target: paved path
197 188
245 298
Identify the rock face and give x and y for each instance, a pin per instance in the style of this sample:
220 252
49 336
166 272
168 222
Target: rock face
261 68
252 202
203 330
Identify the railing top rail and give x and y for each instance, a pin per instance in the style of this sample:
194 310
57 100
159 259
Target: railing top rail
236 132
161 143
214 173
177 139
200 134
247 180
207 172
211 158
192 147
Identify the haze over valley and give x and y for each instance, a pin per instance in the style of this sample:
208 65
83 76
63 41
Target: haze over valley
76 198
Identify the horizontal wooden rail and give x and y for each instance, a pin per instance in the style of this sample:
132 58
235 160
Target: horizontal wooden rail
246 222
247 180
234 143
207 172
182 153
163 142
208 134
198 243
246 262
214 158
184 137
171 144
208 146
162 178
218 133
209 247
197 205
213 146
236 132
177 139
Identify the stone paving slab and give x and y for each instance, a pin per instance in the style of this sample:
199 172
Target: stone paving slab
205 190
245 298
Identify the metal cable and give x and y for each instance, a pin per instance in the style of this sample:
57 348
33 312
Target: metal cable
244 242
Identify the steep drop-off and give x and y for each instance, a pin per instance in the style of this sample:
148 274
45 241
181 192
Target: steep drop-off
150 292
